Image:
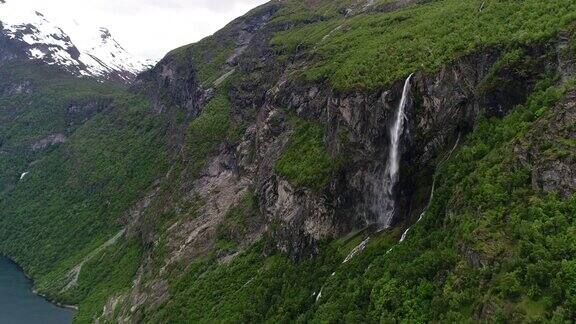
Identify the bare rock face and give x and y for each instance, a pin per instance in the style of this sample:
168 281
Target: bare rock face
79 112
559 177
566 57
9 49
445 106
172 84
552 161
48 141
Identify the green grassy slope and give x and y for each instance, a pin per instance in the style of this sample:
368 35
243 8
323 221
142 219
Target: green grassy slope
370 50
254 288
305 162
28 118
76 193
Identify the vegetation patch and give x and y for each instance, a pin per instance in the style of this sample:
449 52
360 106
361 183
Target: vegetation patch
305 161
32 115
238 222
108 274
255 288
372 50
209 130
76 193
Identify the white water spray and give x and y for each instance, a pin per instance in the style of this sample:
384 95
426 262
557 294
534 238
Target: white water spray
357 249
396 134
384 204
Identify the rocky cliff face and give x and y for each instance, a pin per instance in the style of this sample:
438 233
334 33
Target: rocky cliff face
445 106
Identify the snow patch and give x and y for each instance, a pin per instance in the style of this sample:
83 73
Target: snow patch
98 55
103 54
36 53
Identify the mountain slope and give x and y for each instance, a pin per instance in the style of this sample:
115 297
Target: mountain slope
245 176
466 79
75 155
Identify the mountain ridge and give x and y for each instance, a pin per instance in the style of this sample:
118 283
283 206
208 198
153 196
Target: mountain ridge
99 56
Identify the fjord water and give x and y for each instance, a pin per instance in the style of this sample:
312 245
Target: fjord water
18 305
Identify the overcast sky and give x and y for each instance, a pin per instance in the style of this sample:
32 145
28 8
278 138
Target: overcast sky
146 28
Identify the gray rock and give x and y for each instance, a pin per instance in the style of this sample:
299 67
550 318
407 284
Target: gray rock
48 141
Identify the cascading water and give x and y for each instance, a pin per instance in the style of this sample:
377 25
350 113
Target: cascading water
384 203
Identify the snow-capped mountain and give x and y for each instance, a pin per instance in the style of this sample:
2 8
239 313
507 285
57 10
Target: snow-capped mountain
37 38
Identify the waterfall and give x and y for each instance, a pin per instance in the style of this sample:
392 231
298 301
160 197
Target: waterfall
395 137
384 204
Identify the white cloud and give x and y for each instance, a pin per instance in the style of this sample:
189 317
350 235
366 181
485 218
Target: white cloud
146 28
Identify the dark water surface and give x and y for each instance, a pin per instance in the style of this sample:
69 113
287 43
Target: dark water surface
18 305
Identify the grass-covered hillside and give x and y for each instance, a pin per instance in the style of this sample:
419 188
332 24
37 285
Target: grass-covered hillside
356 44
77 191
372 49
35 103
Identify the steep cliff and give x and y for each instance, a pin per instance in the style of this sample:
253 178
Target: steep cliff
275 137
